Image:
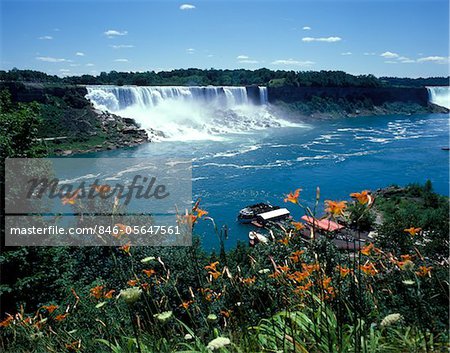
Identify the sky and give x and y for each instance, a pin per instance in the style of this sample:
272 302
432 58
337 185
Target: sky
405 38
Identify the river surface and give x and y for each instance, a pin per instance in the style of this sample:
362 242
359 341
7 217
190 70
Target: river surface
340 156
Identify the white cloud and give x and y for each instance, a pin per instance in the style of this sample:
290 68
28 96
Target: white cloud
248 61
64 70
121 60
111 33
120 46
46 38
321 39
369 54
434 59
306 28
405 60
187 7
190 50
389 55
347 53
90 64
79 53
390 62
74 65
242 57
292 62
210 55
49 59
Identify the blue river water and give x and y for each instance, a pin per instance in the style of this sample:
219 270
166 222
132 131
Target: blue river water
340 156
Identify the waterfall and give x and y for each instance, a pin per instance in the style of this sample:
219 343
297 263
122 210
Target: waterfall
439 95
263 95
186 113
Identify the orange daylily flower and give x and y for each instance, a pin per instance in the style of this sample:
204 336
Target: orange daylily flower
298 225
284 241
295 256
132 282
276 274
215 274
412 231
363 197
186 304
61 317
298 276
212 266
329 290
344 271
404 265
225 313
70 199
97 292
283 268
6 322
201 213
424 271
50 308
336 208
293 196
125 248
149 272
101 189
310 268
303 288
369 269
406 257
109 294
249 280
367 249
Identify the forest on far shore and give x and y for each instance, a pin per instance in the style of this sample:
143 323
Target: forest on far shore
216 77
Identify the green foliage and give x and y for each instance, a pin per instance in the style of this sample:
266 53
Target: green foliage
18 128
215 77
416 82
261 298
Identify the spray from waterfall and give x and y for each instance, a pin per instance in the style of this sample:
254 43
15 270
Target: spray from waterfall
439 95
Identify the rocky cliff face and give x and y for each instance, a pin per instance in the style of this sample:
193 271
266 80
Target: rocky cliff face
377 96
70 123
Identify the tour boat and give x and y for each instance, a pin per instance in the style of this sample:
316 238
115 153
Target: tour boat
250 213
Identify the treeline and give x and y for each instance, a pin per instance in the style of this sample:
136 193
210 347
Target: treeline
239 77
199 77
415 82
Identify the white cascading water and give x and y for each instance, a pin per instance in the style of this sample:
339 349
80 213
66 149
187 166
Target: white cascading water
439 95
187 113
263 95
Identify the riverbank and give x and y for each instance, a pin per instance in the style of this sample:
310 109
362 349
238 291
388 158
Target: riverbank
69 124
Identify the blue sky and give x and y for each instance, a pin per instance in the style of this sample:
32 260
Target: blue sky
393 38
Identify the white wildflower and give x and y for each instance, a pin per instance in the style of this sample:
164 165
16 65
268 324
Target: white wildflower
408 282
164 316
264 270
130 295
218 343
147 259
212 317
390 319
99 305
188 337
